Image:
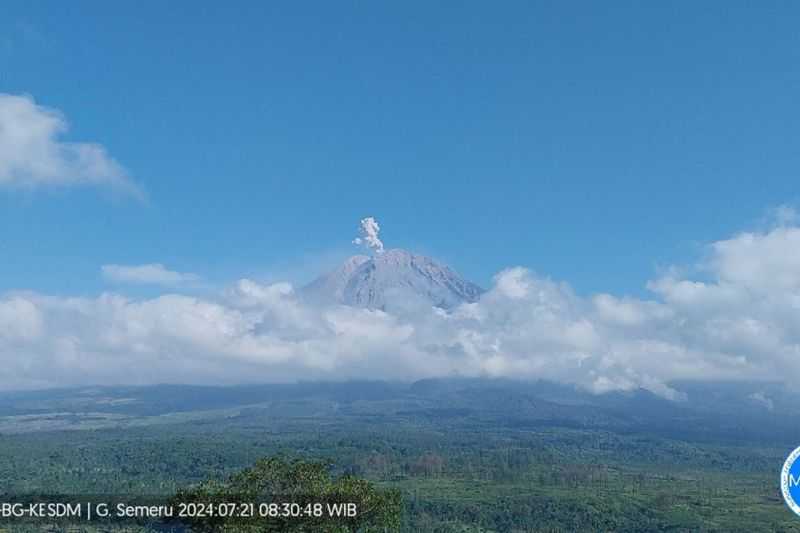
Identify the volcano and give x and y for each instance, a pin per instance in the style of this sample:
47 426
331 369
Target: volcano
392 276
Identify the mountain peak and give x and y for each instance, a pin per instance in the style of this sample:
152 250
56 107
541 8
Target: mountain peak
392 275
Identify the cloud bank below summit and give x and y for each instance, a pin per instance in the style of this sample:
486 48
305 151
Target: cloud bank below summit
737 318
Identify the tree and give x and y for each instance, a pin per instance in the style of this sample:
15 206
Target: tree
303 495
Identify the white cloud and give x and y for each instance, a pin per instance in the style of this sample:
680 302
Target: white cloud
150 274
742 321
762 399
763 262
783 215
32 154
20 320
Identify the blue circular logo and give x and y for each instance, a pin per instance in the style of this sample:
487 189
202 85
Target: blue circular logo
790 481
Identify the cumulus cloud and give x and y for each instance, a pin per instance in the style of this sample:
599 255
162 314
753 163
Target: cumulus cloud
740 319
783 215
762 399
32 154
369 230
149 274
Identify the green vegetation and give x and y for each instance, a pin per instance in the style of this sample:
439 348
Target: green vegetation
448 469
306 495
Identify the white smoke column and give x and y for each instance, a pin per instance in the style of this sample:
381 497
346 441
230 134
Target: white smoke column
369 235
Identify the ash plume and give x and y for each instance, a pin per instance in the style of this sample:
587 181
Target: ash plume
369 235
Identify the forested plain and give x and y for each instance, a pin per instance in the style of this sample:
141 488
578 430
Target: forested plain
461 455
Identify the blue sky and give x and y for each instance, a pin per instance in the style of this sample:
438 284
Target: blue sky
592 142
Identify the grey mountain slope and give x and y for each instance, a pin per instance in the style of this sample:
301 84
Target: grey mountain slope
392 276
330 287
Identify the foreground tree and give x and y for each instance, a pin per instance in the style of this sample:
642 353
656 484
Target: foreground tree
293 496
